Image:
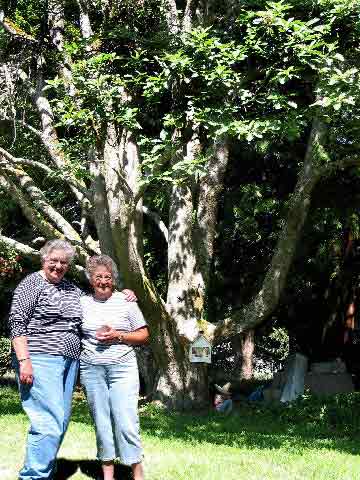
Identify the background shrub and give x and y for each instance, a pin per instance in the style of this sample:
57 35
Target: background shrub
5 356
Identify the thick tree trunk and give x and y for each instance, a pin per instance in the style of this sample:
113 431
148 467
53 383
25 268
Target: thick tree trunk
148 370
210 189
243 346
85 24
171 15
247 353
186 288
101 215
190 249
184 387
176 382
341 295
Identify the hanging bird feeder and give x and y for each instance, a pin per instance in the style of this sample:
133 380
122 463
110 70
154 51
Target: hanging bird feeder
200 350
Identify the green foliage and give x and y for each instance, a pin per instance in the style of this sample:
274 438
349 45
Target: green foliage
338 89
255 201
158 152
28 16
250 86
258 77
5 355
9 262
274 345
100 98
338 412
259 80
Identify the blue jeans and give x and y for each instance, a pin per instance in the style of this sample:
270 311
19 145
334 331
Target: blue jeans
112 393
47 403
226 406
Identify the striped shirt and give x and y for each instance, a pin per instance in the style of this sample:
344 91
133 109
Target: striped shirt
115 312
48 314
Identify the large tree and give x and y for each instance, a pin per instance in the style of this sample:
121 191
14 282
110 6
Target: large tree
115 102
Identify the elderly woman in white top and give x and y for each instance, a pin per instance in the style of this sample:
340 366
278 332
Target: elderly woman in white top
110 329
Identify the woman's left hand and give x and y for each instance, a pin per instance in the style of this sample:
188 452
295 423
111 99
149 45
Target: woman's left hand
108 334
129 295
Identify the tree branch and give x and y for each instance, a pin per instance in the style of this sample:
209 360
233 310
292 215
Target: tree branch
139 194
32 215
40 202
245 318
90 243
317 166
20 247
266 300
100 205
157 220
210 189
33 254
24 161
56 21
32 129
190 9
49 136
85 24
342 164
44 168
36 217
16 31
172 16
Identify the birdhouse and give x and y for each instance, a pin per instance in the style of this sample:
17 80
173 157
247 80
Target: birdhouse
200 350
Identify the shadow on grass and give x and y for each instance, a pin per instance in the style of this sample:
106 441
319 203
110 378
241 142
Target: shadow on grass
8 381
249 426
91 468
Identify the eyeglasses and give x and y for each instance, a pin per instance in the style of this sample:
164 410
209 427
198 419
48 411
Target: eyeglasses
54 261
103 277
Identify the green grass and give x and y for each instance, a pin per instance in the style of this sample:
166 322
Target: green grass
312 439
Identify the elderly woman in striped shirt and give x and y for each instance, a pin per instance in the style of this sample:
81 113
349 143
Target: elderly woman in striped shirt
44 322
110 329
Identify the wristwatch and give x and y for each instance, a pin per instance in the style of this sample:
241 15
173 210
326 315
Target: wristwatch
121 338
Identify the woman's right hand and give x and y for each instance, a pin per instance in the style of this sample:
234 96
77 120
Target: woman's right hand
26 372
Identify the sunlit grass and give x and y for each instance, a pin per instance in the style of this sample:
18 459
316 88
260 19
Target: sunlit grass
254 443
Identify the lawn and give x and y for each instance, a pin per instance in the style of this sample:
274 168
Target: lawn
312 439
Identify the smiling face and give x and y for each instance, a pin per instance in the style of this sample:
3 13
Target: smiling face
55 265
102 282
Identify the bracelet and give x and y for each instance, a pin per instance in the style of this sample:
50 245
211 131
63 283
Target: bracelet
23 359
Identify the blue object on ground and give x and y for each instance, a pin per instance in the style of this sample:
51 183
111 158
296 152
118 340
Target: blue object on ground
257 395
225 407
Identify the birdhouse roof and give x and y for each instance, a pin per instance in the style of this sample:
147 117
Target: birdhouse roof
201 341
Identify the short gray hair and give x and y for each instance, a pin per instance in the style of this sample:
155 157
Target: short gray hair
104 261
57 244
